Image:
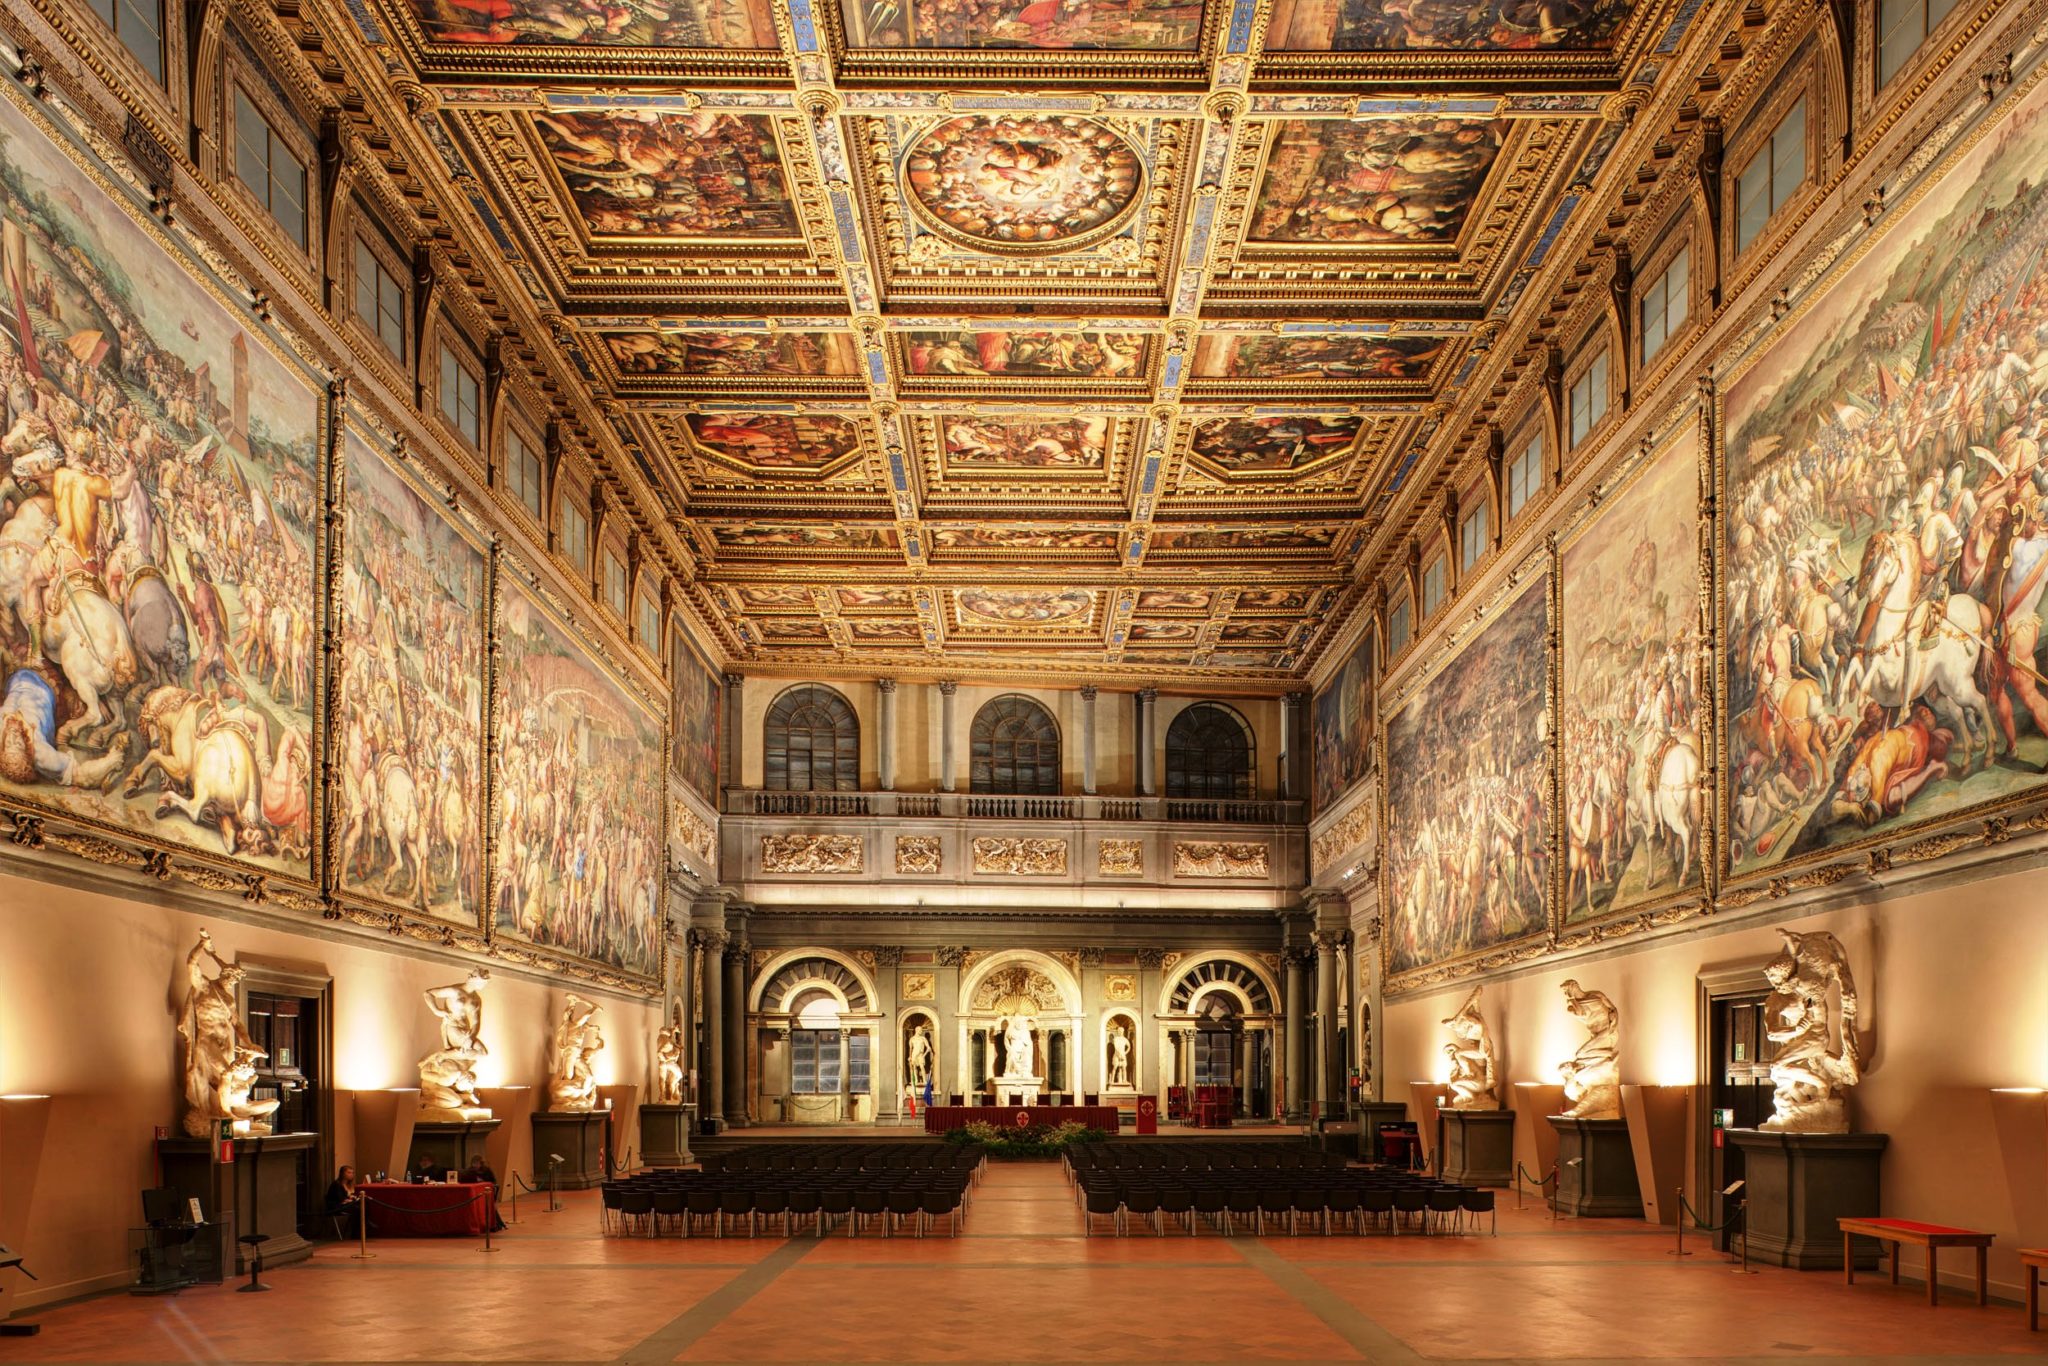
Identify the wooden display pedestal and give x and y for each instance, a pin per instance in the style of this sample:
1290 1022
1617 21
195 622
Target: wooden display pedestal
665 1135
1799 1185
1596 1169
452 1143
578 1138
1372 1114
256 1193
1478 1146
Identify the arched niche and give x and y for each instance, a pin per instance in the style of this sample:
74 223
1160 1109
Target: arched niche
1120 1022
815 1037
1219 1024
1018 984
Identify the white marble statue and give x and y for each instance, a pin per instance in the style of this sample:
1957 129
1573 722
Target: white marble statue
1473 1082
219 1056
448 1074
1592 1076
573 1083
1119 1056
1816 1065
920 1057
668 1060
1017 1047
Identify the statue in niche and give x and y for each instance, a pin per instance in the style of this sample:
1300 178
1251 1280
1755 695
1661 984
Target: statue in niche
668 1059
578 1041
1017 1046
448 1074
920 1053
219 1056
1119 1056
1470 1050
1815 1066
1592 1076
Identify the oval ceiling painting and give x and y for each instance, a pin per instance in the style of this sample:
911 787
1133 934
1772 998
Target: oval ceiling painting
1025 606
1023 183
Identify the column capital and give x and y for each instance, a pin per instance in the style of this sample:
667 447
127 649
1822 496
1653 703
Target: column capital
1294 698
1329 941
1297 955
887 955
949 955
948 686
1148 695
711 941
1088 691
886 685
732 680
1151 960
1093 958
736 954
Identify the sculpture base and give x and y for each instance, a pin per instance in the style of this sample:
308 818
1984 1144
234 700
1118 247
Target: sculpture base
1018 1090
256 1193
1799 1185
665 1135
578 1138
1596 1169
451 1144
1372 1114
1478 1146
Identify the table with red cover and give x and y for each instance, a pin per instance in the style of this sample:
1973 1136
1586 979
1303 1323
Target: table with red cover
939 1119
398 1210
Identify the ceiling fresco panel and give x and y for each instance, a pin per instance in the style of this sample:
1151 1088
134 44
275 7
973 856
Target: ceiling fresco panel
643 175
1438 25
1115 25
1382 182
498 24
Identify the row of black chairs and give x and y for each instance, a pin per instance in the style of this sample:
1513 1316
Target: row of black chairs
893 1187
1201 1155
901 1155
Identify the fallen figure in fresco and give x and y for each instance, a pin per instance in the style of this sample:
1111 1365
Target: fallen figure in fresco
1891 763
28 739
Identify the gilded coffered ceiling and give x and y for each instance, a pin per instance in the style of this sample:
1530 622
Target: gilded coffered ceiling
1026 334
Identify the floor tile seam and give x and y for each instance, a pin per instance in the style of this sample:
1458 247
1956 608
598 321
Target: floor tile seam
677 1336
1365 1335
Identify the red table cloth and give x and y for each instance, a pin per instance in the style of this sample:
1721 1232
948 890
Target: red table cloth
406 1211
939 1119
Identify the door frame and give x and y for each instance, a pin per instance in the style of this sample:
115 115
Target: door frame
1721 982
312 982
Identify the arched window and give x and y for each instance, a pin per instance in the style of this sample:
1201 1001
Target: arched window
1015 748
813 742
1209 754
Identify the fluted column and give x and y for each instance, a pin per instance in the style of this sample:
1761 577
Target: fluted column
1292 787
711 1064
731 773
1147 785
1293 1009
1327 1090
885 735
1088 740
736 1034
948 766
885 1067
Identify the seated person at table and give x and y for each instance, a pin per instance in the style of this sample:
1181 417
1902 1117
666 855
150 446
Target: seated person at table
424 1172
344 1202
480 1171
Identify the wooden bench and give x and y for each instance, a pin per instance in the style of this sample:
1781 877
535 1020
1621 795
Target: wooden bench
2034 1259
1896 1233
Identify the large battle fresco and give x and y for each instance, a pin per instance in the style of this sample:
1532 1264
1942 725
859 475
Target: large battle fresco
1085 354
636 174
809 354
157 555
410 700
1379 182
1126 25
1468 795
580 798
1344 719
1886 545
694 731
1314 356
1484 25
1633 798
598 23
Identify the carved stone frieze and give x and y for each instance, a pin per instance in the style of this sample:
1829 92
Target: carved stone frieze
1019 856
1209 858
919 855
813 854
1120 858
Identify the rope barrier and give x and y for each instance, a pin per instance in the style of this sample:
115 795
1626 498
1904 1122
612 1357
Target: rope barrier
1700 1225
363 1252
1522 1174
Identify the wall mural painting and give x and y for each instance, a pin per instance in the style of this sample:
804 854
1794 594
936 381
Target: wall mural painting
1070 443
1329 356
1633 799
775 440
696 722
1027 355
580 825
1272 445
1121 25
1887 545
1405 181
1026 537
1011 181
733 354
410 701
1471 25
1344 719
746 24
157 549
1468 794
647 173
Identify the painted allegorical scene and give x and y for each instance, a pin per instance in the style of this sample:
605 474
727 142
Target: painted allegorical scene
1074 443
1124 25
1027 355
1379 182
1026 537
580 823
157 561
1320 355
598 23
1269 445
1296 536
1468 794
1482 25
1886 539
1000 182
1344 718
651 173
739 354
1633 800
776 440
696 723
411 698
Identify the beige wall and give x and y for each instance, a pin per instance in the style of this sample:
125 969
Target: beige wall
1954 987
90 987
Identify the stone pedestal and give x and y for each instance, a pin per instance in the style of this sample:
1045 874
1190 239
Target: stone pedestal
578 1138
1018 1090
1372 1114
256 1193
1478 1146
452 1143
665 1135
1596 1169
1799 1185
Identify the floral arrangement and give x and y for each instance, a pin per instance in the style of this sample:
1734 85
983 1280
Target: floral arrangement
1032 1140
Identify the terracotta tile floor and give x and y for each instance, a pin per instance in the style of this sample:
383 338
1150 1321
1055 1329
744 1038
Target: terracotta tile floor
1023 1285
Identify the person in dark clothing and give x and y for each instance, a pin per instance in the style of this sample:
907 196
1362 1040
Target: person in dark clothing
344 1202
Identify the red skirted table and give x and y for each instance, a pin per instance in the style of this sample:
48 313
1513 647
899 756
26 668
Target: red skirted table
939 1119
464 1209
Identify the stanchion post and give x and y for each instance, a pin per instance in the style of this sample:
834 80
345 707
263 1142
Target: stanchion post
489 1218
1683 1215
1742 1213
515 1184
363 1253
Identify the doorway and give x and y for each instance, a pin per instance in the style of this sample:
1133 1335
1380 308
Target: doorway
1737 1069
289 1015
